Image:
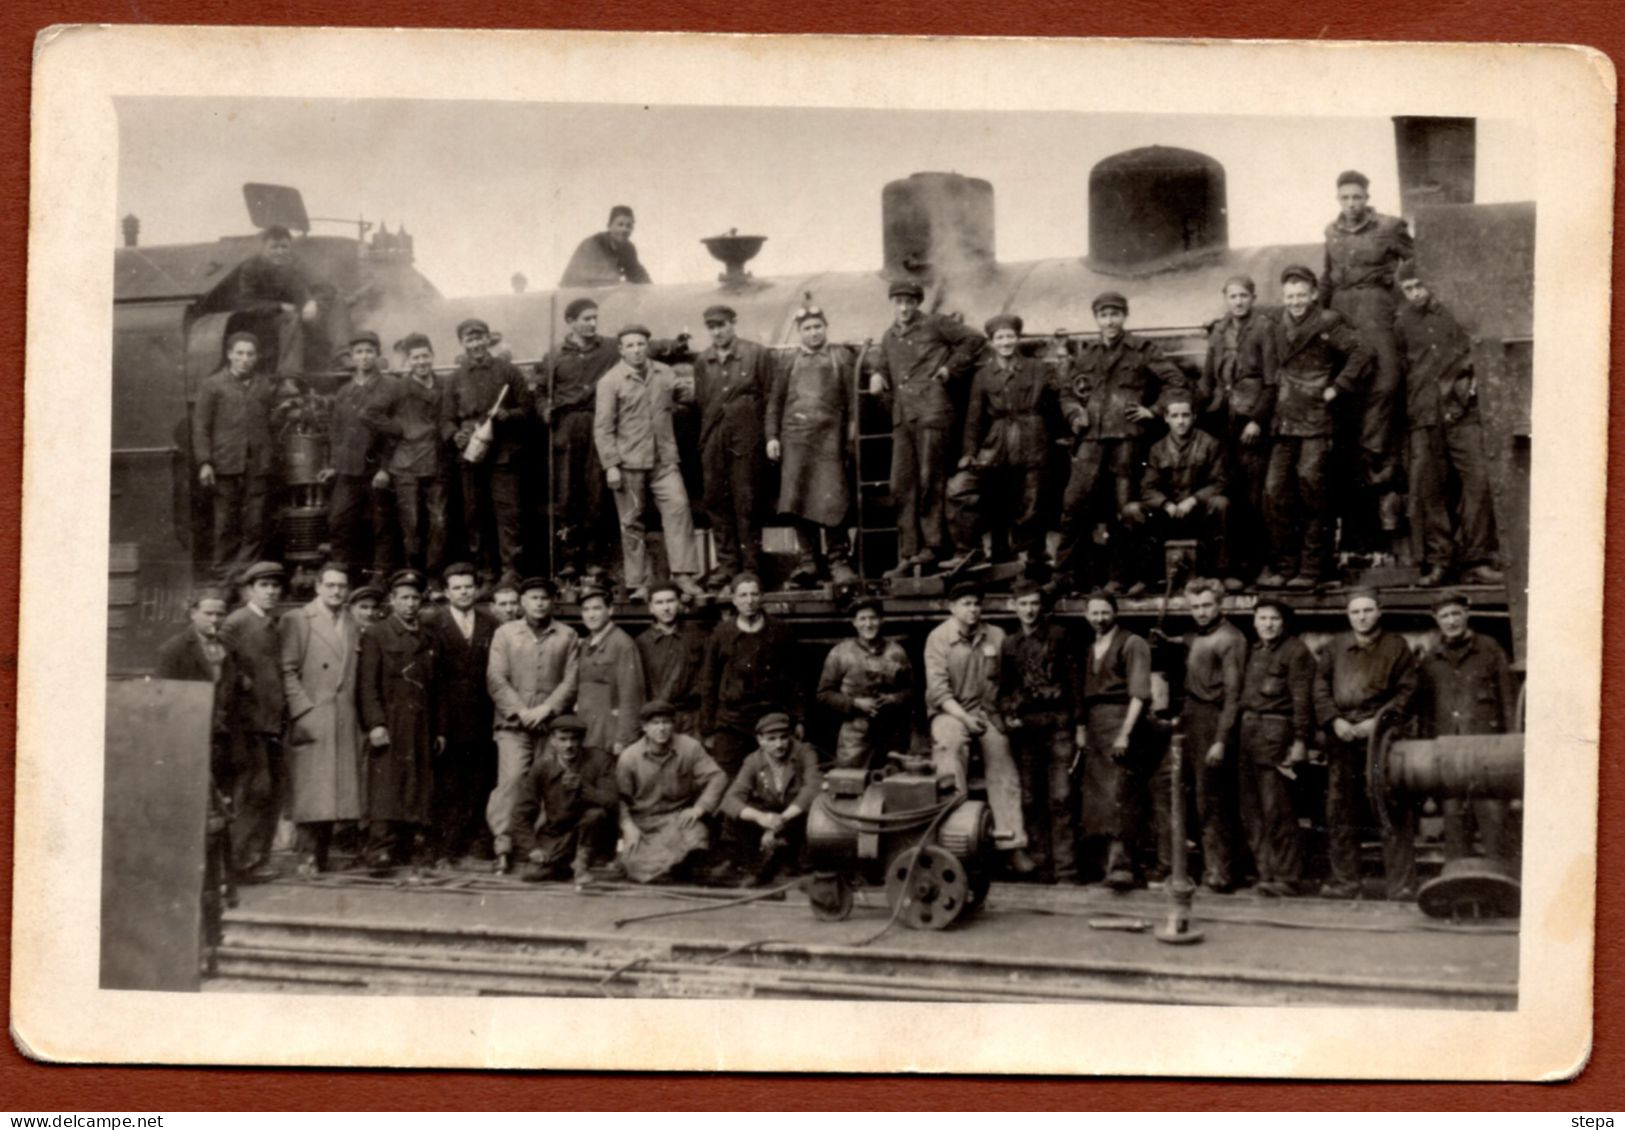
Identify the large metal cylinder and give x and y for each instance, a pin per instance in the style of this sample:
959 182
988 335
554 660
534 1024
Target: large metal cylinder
937 223
1487 766
1152 206
303 456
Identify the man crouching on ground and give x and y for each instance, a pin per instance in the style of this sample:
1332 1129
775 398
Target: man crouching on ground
565 811
668 786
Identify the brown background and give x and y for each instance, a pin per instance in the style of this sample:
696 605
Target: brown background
25 1085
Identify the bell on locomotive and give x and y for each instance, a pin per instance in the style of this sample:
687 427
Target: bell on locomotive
907 829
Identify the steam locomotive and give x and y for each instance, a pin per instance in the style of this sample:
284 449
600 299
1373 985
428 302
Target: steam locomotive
1158 231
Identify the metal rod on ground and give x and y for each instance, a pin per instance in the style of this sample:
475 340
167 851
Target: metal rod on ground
1177 930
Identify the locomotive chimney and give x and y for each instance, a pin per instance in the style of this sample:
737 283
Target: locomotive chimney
937 223
1150 208
132 230
1436 161
733 251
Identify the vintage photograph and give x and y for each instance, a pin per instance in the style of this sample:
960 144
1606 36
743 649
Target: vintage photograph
820 553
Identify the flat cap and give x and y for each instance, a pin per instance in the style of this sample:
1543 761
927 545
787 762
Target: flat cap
1278 603
407 578
632 328
468 324
569 724
773 722
1107 299
1407 271
578 307
365 337
1003 322
542 583
1353 176
718 313
1298 273
905 286
657 708
963 589
459 569
261 570
367 592
1451 598
591 592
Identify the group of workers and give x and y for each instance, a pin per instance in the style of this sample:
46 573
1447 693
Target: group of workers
1361 381
449 734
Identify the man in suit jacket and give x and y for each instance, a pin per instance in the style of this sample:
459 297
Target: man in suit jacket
232 444
249 710
465 773
196 653
320 646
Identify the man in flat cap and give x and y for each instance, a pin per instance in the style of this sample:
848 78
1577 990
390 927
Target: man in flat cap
669 786
1039 683
962 669
1466 688
399 696
921 356
1112 388
488 387
566 810
320 646
632 427
1364 248
232 444
764 827
359 510
1010 426
1446 442
466 772
566 392
1277 729
273 284
367 606
1319 359
810 430
406 413
731 382
608 257
250 708
534 670
868 683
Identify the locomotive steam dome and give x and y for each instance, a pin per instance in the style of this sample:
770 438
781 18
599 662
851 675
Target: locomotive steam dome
937 223
1154 207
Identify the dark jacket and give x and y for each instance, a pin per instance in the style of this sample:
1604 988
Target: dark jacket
732 396
1013 414
398 689
1311 355
470 394
1279 681
1039 674
1356 681
182 656
747 675
909 360
356 449
673 665
753 786
1438 365
231 423
1176 471
1365 257
562 795
1099 382
574 371
263 286
255 701
406 415
1239 353
465 703
1466 688
600 261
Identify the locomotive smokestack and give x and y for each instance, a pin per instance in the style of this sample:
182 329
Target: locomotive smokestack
936 224
1151 208
1436 161
132 230
733 251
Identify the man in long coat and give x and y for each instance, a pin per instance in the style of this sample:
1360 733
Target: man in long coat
731 381
400 712
467 771
250 706
809 430
320 646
